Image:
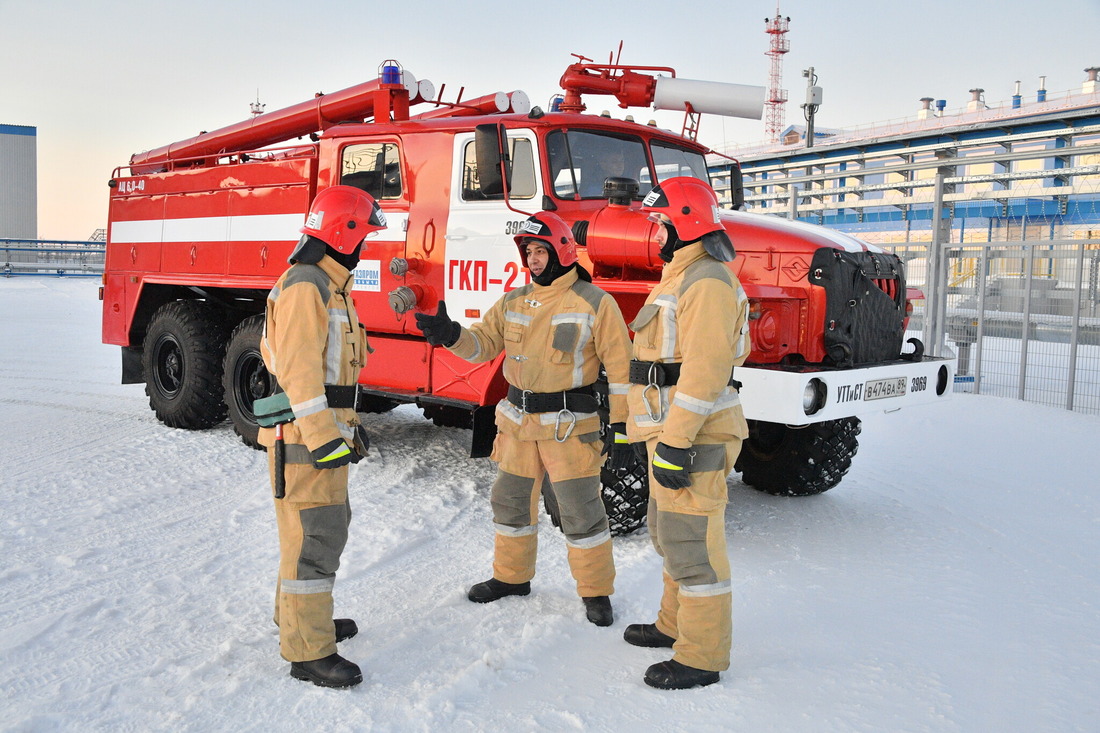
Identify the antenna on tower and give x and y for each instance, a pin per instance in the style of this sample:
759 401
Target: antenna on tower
257 108
777 28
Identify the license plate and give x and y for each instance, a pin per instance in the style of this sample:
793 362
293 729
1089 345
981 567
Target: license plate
878 389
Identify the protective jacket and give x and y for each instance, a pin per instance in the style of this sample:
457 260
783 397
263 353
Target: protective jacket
322 343
554 337
696 317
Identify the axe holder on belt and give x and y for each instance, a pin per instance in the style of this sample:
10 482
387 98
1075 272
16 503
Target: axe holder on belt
275 412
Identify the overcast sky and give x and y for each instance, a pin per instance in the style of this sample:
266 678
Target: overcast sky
102 80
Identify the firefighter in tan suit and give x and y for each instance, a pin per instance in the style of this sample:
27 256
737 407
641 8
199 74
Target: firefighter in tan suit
555 333
685 412
315 347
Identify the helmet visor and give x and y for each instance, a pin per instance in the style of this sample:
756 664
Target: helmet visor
377 218
655 199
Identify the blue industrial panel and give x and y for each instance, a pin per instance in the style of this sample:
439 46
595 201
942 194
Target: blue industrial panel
18 130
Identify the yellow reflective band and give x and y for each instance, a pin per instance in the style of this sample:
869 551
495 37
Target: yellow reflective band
338 453
662 463
620 438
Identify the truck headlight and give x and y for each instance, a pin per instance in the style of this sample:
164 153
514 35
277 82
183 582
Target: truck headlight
813 396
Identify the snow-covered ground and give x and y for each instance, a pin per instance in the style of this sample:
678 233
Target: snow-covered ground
950 583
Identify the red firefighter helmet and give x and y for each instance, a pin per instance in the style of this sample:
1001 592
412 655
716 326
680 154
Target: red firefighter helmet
550 228
342 216
692 208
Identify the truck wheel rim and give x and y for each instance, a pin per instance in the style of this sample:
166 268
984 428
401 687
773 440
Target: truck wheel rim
252 381
168 365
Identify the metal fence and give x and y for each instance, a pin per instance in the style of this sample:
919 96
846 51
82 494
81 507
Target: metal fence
1016 298
56 258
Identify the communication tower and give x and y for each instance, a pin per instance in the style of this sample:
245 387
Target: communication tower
777 28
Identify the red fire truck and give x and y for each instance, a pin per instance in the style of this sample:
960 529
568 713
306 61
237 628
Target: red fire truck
199 230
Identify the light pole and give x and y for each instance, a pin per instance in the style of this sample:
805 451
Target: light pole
813 101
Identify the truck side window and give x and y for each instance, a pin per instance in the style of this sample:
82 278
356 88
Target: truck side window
523 173
375 168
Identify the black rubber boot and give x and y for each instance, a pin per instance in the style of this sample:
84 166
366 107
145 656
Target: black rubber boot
647 635
330 671
345 628
672 675
493 590
598 610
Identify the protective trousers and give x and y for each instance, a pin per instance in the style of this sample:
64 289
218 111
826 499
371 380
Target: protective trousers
313 521
687 528
573 469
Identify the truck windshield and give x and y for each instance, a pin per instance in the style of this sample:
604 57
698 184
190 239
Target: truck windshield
580 160
672 160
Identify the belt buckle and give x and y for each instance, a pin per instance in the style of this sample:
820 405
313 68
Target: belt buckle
523 400
655 375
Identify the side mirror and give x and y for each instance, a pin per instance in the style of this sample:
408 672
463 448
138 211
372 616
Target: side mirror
737 188
494 167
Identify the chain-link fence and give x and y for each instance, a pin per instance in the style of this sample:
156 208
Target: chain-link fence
58 258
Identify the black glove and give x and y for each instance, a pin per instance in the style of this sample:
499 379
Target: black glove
333 454
439 329
670 467
640 452
620 455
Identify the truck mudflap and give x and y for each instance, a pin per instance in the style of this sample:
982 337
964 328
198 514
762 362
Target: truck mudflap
807 394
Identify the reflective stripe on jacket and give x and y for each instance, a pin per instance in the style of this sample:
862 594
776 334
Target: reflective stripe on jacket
312 337
696 316
554 337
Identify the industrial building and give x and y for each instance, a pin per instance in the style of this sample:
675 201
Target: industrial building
1033 161
18 182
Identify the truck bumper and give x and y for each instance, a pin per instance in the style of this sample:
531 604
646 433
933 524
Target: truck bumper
805 395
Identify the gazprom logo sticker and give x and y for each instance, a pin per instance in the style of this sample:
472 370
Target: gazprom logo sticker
368 276
531 227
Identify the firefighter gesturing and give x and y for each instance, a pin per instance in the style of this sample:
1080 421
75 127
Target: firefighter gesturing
686 414
555 333
315 347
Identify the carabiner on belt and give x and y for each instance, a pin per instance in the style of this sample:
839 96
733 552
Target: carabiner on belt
653 384
564 412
